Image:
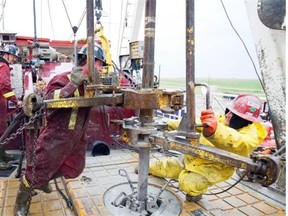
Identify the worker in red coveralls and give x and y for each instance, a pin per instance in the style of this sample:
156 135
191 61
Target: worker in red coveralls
61 145
7 56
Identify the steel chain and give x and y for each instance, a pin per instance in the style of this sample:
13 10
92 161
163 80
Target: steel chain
37 114
33 168
32 120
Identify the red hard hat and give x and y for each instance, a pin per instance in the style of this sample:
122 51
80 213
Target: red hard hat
246 106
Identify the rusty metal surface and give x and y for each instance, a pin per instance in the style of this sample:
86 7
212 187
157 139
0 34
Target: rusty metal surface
131 99
149 44
146 113
104 99
203 151
128 99
190 64
93 88
90 37
152 99
141 99
138 136
270 166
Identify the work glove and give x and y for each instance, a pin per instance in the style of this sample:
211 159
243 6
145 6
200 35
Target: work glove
19 105
209 122
77 78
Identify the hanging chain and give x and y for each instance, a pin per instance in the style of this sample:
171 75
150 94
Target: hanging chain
33 153
32 120
37 114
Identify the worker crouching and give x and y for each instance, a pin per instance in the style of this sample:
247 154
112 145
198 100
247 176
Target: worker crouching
239 132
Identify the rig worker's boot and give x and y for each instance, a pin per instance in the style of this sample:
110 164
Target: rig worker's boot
47 188
21 207
4 158
190 198
8 157
4 165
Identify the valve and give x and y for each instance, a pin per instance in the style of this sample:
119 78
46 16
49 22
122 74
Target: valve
267 171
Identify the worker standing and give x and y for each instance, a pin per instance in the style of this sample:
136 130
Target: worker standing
8 56
61 145
239 132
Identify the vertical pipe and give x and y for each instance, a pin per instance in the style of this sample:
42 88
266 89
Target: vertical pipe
146 115
36 45
90 35
190 64
75 52
149 44
34 16
144 155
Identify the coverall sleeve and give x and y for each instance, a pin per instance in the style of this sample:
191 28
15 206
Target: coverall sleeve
241 142
173 124
59 87
166 168
5 85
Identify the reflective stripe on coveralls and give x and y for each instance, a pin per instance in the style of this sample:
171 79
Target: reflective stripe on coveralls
59 149
74 112
8 94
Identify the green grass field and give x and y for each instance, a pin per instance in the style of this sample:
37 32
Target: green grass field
229 86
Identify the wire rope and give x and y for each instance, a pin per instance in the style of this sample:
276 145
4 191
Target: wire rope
50 18
80 21
243 43
120 35
67 13
4 4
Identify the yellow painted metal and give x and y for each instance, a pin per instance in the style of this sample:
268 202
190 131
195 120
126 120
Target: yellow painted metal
129 99
99 33
108 99
202 151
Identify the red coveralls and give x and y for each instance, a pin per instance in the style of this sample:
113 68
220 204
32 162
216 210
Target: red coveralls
61 146
6 93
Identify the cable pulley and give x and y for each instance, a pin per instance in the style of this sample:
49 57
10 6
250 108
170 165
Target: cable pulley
74 29
98 9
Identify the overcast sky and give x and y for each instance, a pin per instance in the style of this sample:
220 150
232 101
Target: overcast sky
219 51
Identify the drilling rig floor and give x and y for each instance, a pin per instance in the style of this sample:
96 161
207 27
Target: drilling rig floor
100 189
